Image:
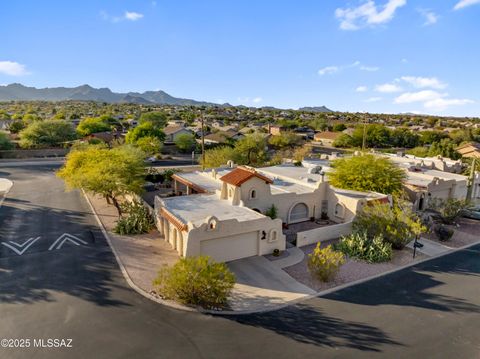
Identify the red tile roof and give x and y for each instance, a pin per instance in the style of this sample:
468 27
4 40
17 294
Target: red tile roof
165 213
242 174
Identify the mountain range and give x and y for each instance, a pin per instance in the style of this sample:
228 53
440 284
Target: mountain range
19 92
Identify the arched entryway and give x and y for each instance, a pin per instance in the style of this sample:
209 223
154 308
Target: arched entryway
298 213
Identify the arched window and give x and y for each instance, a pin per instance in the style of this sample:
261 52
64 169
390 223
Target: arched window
211 224
230 193
253 194
272 236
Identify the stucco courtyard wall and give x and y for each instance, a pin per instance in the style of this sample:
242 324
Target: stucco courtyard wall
323 234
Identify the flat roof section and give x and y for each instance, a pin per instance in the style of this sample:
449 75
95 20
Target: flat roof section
196 208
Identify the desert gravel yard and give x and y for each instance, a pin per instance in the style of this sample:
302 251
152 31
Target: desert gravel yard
351 271
467 231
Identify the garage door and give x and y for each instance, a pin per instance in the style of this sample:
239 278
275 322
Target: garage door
230 248
298 213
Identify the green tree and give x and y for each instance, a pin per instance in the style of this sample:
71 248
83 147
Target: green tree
111 173
48 133
158 119
219 156
196 281
429 137
149 145
344 141
396 224
145 129
185 142
444 148
339 127
377 136
285 140
91 125
16 126
367 173
251 149
403 137
5 143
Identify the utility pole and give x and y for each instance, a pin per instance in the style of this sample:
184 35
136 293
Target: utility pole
471 180
203 144
364 139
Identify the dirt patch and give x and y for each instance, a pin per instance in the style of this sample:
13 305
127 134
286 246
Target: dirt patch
351 271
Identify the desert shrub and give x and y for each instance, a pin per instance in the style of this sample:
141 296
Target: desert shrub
443 233
450 209
272 212
135 219
396 224
359 245
5 143
325 262
196 281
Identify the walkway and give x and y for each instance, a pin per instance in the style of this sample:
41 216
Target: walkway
261 285
430 248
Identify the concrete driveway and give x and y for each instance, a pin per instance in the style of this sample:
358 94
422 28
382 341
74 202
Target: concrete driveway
261 285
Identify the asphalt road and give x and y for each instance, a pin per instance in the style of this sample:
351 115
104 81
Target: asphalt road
76 291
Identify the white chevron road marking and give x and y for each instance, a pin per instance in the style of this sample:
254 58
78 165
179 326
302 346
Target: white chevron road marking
25 245
59 242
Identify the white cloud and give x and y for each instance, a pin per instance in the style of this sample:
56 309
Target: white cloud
328 70
257 100
424 82
373 99
361 89
132 15
367 14
430 17
128 15
337 68
464 3
369 68
441 104
421 96
388 88
12 68
404 61
432 100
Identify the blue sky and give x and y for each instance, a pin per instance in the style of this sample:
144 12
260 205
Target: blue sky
387 56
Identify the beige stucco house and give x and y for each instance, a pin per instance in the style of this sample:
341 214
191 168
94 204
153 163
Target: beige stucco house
221 212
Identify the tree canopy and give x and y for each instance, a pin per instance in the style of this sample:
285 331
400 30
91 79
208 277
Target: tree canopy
145 129
107 172
367 173
159 119
91 125
185 142
5 143
48 133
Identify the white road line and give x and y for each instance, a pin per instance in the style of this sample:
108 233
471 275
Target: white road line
66 237
27 244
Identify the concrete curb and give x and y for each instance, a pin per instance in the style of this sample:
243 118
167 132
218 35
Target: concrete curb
245 312
125 272
346 285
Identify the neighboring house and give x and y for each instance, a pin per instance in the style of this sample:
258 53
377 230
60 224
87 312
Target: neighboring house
222 137
433 178
326 137
221 214
275 130
470 150
173 131
434 163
